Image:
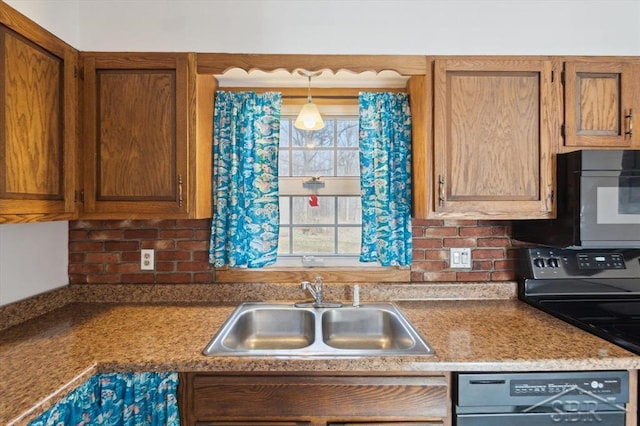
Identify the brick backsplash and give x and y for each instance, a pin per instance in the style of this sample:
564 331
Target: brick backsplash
493 258
108 251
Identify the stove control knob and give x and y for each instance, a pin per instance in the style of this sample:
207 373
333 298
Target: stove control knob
552 262
539 262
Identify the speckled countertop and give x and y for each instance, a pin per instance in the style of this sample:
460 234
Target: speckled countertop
44 358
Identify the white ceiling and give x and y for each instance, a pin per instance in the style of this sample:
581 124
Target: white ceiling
239 78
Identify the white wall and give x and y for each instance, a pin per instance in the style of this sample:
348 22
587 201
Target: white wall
572 27
60 17
598 27
33 259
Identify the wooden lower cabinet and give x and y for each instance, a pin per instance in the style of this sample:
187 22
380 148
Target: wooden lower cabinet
212 399
252 423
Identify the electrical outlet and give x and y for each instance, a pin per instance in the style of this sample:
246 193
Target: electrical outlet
460 258
147 259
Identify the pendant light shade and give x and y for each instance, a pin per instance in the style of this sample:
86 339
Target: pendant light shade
309 117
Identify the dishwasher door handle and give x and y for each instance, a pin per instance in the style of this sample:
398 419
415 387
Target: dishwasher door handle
487 382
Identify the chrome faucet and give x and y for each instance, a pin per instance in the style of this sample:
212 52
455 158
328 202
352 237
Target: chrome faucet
316 289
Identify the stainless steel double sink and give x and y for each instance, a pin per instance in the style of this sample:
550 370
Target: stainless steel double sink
274 329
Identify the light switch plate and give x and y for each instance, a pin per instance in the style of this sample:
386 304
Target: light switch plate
460 258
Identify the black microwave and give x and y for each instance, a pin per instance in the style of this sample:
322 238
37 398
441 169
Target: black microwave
598 202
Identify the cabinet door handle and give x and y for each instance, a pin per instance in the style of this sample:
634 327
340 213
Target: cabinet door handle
179 190
629 118
440 190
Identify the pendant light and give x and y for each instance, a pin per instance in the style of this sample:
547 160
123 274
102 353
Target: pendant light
309 117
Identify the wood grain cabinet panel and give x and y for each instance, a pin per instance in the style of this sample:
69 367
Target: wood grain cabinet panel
388 424
253 423
492 129
144 149
38 92
33 119
599 104
318 400
137 161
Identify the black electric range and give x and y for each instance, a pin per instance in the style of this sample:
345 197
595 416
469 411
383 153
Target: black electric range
597 290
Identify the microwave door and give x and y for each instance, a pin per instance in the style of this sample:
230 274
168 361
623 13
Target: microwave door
629 195
610 213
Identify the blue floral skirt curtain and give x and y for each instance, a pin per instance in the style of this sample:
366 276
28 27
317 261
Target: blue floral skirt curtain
385 178
246 135
118 399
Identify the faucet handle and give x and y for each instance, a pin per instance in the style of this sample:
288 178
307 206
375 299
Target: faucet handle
318 281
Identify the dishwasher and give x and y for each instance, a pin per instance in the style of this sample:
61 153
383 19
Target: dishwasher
541 398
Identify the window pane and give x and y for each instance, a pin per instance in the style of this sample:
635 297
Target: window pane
349 210
347 133
324 213
316 162
349 240
348 163
283 163
322 138
285 213
285 134
313 240
283 241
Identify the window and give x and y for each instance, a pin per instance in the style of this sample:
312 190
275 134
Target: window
327 235
320 210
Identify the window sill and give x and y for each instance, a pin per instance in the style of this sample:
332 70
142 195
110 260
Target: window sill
289 275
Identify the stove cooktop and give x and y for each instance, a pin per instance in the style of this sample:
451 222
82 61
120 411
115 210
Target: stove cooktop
615 320
596 290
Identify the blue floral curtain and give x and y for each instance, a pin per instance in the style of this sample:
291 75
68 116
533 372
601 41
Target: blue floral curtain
385 178
245 225
118 399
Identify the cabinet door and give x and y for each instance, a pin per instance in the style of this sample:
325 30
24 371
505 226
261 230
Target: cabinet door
492 129
389 424
221 399
136 112
598 104
38 95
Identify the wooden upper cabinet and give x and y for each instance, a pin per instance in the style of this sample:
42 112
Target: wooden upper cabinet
599 104
139 136
38 101
493 123
418 88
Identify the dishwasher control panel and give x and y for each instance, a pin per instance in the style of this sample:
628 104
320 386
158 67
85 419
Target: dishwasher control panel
518 389
566 386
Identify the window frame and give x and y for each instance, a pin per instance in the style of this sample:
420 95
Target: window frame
295 274
332 186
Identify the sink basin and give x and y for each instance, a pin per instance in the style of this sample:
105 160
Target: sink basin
271 329
365 328
274 329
